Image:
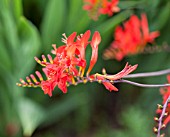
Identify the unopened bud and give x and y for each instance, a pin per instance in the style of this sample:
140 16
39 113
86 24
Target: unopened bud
163 135
99 81
156 119
155 130
104 71
166 114
111 81
159 106
163 126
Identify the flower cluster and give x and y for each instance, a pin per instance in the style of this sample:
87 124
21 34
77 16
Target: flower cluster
97 7
131 38
68 66
163 111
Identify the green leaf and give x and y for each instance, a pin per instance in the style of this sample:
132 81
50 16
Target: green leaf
63 107
30 114
4 56
81 21
163 17
111 23
9 31
53 23
29 45
129 4
17 10
74 9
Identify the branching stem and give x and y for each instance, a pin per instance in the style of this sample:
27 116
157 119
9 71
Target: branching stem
141 85
161 117
148 74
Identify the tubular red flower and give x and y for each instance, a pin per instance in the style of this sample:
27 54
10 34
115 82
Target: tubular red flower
109 86
69 63
127 69
96 39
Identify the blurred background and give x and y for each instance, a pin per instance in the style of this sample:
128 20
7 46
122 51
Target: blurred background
28 28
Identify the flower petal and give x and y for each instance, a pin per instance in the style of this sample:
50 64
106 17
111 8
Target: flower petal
96 39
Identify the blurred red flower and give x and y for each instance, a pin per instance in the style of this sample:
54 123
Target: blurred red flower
131 38
97 7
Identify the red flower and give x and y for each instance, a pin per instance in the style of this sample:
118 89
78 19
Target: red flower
109 7
131 38
96 39
165 92
97 7
69 63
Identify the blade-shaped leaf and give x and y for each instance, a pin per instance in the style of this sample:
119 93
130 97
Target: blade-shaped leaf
111 23
30 45
30 114
53 23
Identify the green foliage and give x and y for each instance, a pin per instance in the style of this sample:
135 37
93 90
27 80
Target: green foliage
87 110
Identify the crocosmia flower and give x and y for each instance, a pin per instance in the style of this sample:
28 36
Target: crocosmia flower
69 64
131 38
97 7
165 92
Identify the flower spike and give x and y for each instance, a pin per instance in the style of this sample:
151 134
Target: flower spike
69 65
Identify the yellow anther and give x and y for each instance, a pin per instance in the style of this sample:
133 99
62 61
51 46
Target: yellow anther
73 80
82 72
80 68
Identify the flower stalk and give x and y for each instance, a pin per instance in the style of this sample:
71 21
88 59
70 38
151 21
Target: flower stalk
163 114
